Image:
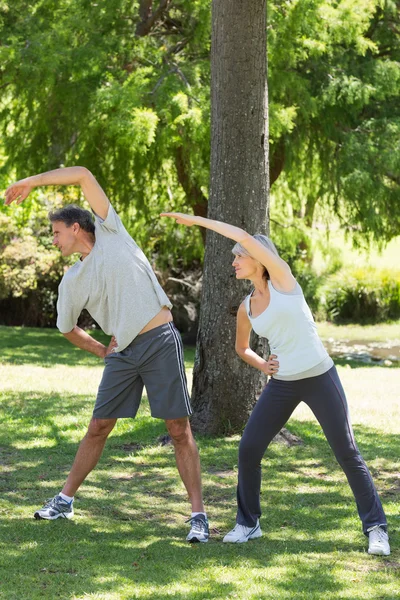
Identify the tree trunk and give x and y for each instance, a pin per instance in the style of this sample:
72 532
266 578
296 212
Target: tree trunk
225 388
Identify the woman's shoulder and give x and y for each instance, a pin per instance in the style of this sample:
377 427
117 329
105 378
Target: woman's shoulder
288 288
244 306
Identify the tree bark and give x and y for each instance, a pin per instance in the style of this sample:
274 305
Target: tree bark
225 388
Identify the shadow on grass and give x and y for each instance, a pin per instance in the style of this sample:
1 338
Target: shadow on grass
47 347
129 527
43 347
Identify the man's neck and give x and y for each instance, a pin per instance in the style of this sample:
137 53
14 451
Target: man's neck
86 245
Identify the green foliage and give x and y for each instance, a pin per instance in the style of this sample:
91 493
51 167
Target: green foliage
30 268
94 84
82 88
334 72
26 260
362 296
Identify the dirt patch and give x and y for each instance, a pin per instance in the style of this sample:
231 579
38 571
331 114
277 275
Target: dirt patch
288 438
224 473
130 447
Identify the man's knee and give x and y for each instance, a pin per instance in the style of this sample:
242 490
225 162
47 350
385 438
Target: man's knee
179 430
100 427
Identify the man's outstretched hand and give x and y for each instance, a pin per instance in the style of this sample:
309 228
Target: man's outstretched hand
17 192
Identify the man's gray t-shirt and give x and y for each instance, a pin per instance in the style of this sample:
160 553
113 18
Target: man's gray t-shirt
115 283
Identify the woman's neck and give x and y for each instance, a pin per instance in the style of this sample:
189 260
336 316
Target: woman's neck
260 285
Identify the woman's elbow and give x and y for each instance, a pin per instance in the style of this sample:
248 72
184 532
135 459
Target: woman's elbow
240 350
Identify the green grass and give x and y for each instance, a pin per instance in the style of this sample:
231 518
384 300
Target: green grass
382 332
127 540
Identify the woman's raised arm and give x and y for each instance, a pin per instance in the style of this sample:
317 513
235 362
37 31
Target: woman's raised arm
279 271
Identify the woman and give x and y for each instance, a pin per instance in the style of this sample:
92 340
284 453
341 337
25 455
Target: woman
300 370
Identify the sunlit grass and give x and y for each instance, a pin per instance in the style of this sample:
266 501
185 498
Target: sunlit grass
382 332
127 540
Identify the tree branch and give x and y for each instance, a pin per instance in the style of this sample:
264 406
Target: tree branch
393 177
148 17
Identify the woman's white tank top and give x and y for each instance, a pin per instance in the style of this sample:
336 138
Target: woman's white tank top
292 335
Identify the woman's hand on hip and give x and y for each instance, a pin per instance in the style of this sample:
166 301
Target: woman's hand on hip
272 365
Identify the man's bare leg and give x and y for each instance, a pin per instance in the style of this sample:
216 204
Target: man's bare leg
89 452
187 460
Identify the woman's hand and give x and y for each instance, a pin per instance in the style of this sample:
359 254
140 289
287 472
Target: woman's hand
272 365
18 191
182 219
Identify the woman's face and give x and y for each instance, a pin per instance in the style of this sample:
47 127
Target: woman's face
247 267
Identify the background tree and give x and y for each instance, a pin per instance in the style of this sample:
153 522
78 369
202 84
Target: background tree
224 388
335 113
120 87
123 87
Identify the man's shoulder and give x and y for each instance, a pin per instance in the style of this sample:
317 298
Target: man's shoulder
70 274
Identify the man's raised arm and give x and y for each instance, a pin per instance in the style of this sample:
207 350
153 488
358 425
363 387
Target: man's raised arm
94 194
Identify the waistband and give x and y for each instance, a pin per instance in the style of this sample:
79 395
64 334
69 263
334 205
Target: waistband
318 369
147 335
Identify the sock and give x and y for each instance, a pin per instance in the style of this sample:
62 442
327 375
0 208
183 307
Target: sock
194 514
66 498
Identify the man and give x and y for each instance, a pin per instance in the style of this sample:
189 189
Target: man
114 281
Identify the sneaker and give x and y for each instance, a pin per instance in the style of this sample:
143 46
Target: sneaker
241 533
54 508
378 541
199 531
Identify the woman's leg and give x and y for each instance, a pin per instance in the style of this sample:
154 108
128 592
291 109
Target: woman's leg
273 409
325 396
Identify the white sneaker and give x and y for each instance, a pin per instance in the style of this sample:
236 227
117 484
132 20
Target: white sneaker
378 541
54 508
241 533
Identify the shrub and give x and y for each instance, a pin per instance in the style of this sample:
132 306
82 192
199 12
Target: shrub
30 271
362 296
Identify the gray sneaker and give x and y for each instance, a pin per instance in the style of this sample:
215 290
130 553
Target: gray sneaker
54 508
199 531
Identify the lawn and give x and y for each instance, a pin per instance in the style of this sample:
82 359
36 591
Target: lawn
127 540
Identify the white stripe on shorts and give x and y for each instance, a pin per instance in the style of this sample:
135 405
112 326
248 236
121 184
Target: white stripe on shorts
181 365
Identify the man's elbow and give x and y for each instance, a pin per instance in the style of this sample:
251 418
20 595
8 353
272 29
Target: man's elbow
84 174
67 334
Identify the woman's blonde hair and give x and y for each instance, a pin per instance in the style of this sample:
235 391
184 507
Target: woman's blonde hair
238 249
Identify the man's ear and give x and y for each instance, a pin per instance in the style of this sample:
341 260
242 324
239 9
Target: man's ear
76 228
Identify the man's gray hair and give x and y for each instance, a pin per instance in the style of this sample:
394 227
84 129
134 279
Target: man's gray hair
71 214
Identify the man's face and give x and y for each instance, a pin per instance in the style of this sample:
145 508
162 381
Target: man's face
64 237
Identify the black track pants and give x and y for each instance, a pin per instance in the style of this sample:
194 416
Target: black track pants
325 397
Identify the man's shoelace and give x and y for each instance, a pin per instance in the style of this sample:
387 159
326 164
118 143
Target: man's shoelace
197 523
51 503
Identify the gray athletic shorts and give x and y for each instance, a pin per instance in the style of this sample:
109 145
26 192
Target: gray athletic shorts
155 360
